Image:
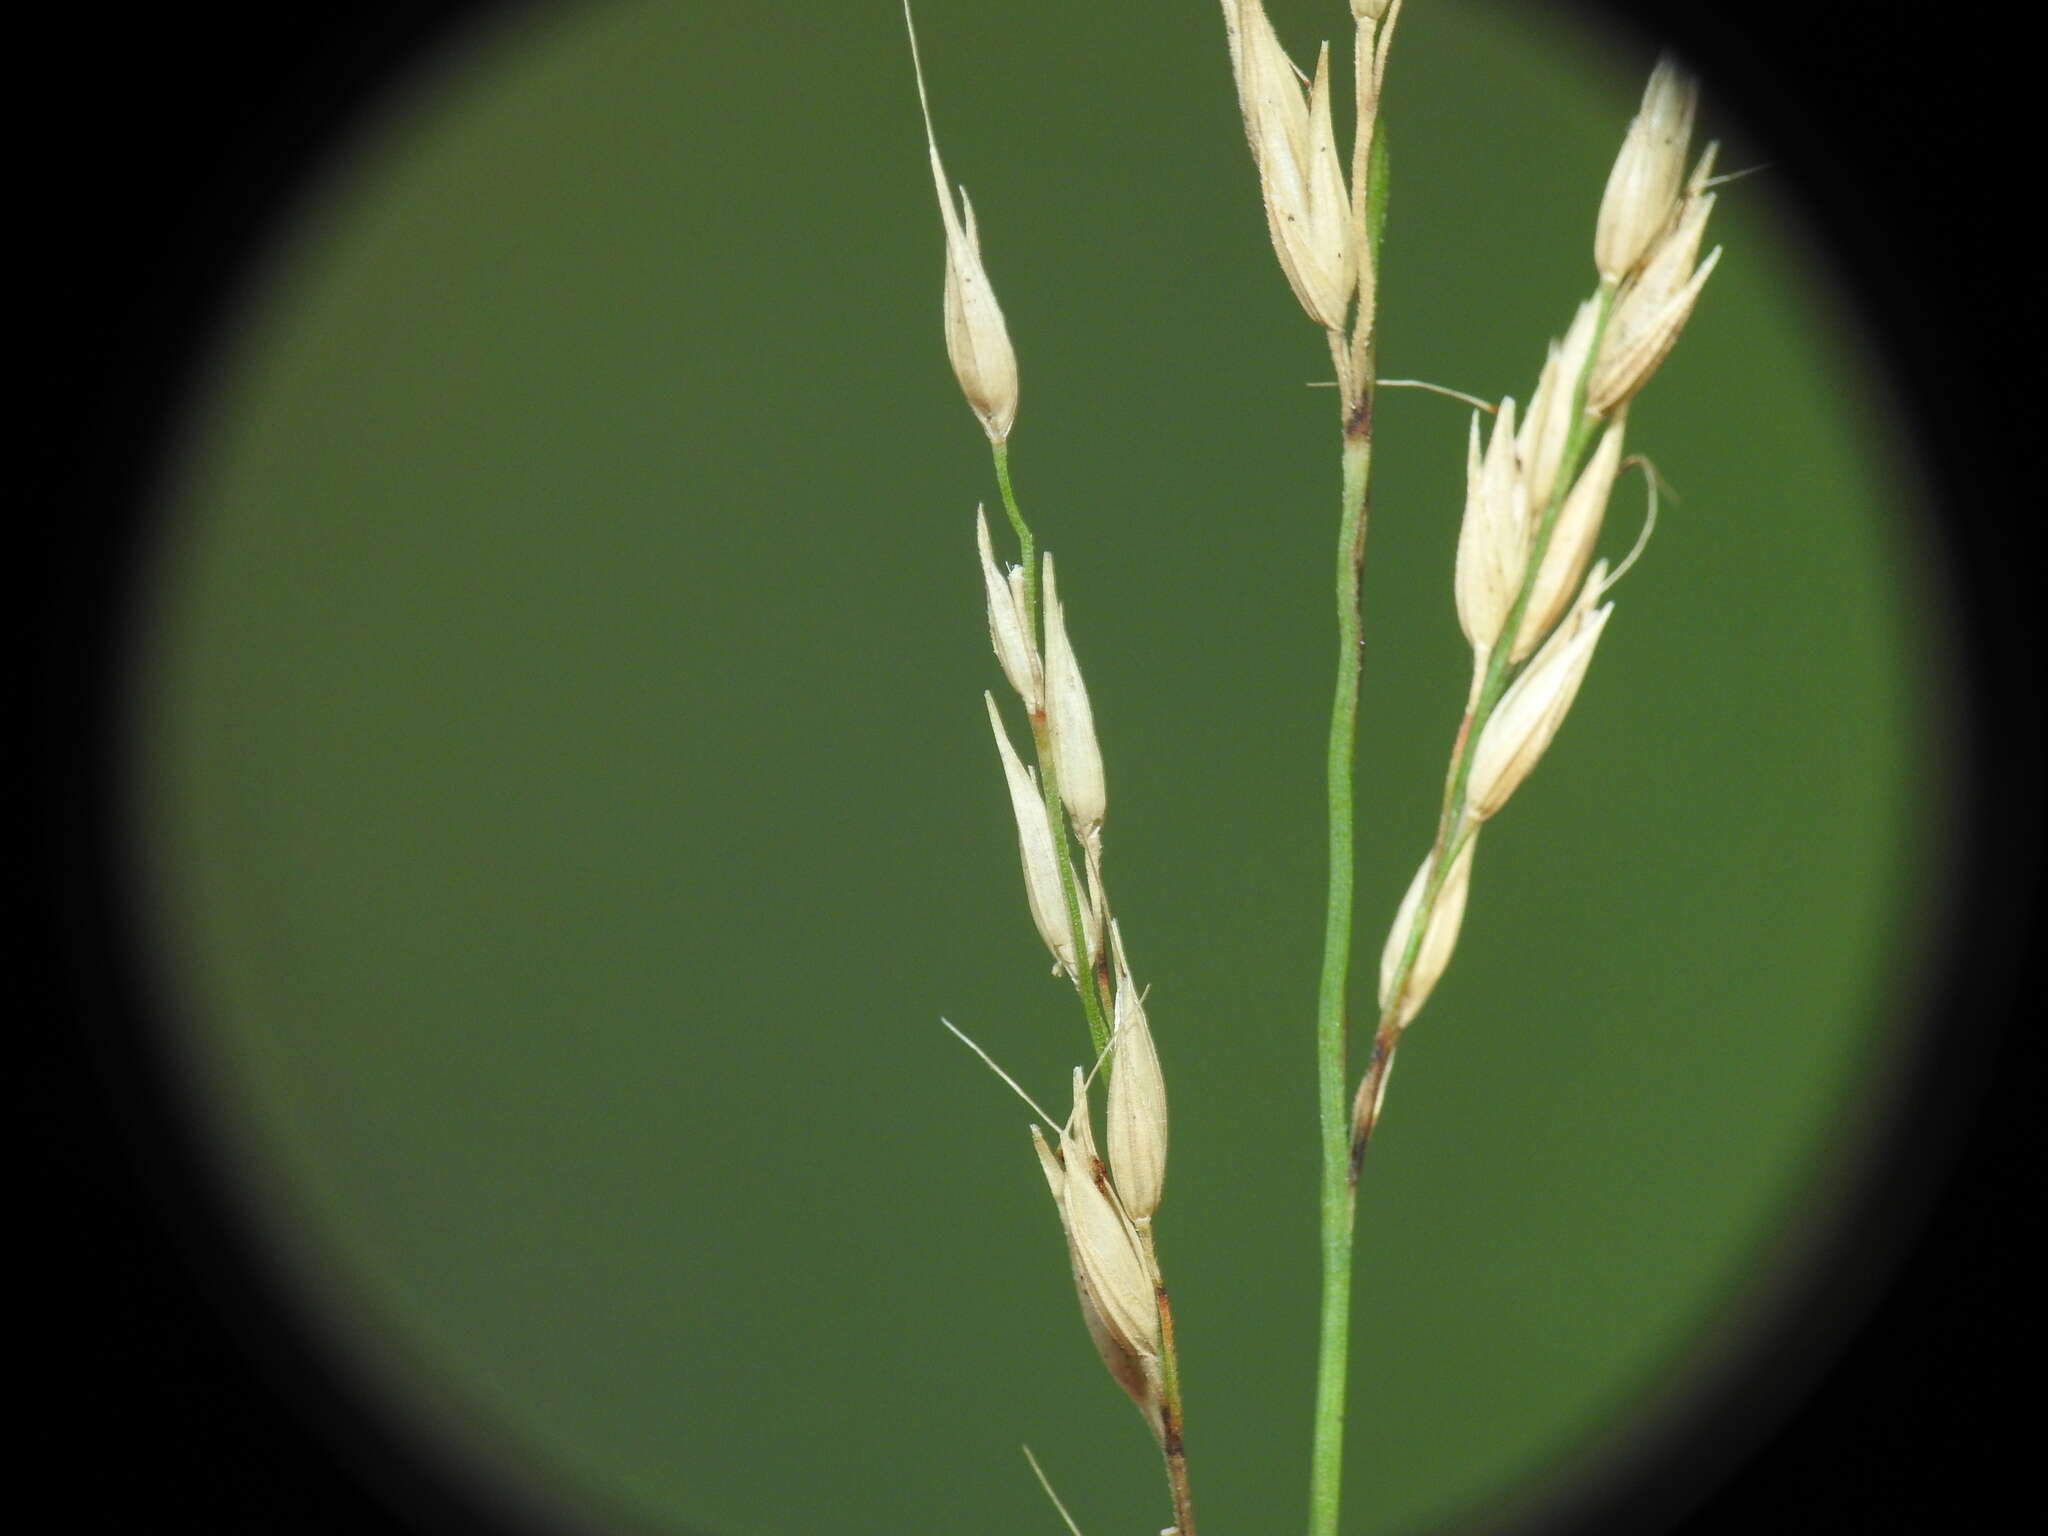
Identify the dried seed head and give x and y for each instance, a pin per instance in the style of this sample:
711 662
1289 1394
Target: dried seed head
1042 889
1070 721
1137 1375
1135 1122
1653 308
977 340
1643 185
1572 538
1627 361
1106 1248
1535 704
1301 174
1548 426
1493 539
1437 942
1009 623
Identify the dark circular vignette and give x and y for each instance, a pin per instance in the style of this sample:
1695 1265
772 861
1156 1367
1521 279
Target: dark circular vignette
189 1389
195 1389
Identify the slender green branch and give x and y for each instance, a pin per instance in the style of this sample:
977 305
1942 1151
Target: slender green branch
1027 545
1097 998
1333 1104
1170 1416
1357 368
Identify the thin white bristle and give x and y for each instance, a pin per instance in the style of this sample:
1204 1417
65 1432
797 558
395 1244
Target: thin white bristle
1651 480
1441 389
1051 1124
1046 1483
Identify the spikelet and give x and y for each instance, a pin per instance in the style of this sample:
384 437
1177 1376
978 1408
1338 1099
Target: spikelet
1070 720
1651 238
1441 937
1526 719
1548 425
1135 1121
1042 888
1572 538
1009 624
1107 1252
1137 1374
977 340
1653 308
1644 182
1493 540
1301 173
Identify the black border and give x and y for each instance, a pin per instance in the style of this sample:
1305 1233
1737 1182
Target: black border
189 1393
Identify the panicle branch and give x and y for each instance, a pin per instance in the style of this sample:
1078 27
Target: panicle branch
1528 589
1059 803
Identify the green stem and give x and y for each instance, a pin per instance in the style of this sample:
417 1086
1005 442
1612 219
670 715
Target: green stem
1027 545
1170 1416
1333 1354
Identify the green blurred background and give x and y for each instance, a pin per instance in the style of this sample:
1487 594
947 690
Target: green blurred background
570 807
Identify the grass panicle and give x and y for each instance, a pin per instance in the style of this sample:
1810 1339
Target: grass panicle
1530 595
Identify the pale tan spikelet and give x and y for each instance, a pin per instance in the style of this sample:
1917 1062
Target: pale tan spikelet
1070 720
1493 539
1301 173
1654 307
1643 186
1572 538
1042 888
1136 1374
1441 937
1547 427
977 340
1528 715
1470 584
1626 364
1106 1246
1009 624
1134 1124
1671 260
